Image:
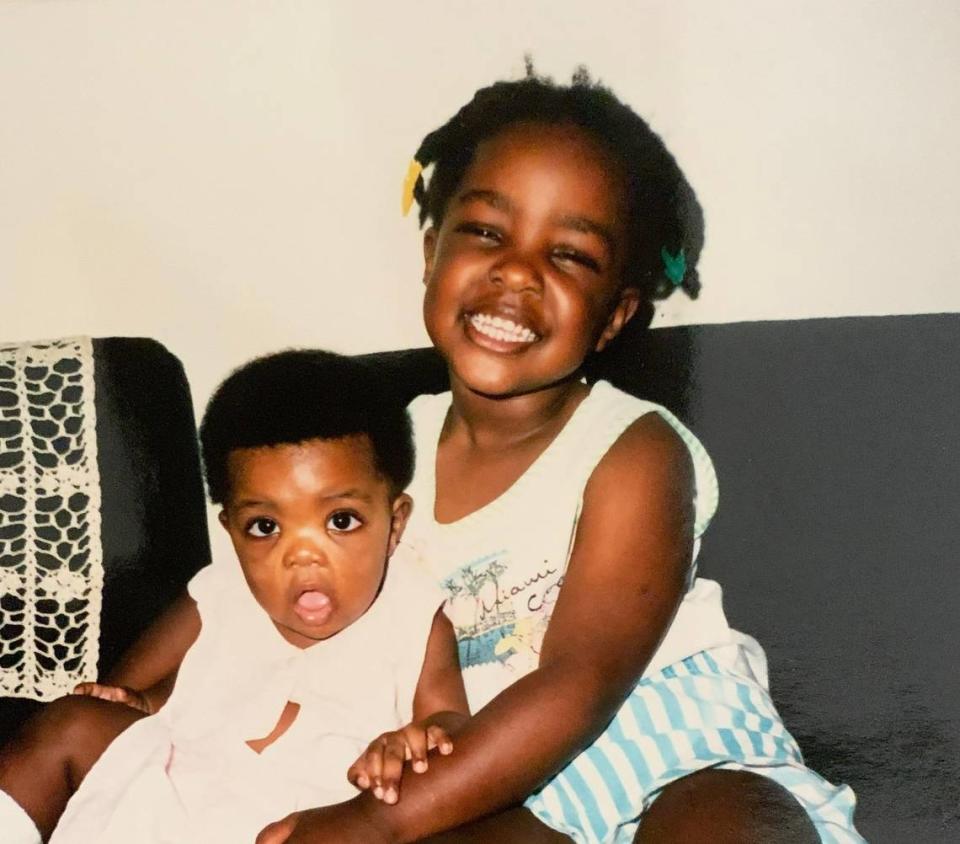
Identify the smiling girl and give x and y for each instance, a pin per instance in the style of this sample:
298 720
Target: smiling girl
611 699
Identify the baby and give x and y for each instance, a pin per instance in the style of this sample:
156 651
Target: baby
306 650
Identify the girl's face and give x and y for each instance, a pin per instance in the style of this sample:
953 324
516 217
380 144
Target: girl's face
313 525
523 276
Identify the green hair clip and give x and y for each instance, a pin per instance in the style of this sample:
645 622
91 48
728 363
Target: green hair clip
674 266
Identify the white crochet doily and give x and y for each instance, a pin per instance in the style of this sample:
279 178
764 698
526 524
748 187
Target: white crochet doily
51 560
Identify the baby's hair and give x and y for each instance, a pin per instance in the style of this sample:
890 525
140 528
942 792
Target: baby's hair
299 395
663 210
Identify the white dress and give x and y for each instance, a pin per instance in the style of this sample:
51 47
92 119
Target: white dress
186 774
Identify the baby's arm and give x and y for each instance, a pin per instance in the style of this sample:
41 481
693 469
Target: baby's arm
145 675
439 711
623 585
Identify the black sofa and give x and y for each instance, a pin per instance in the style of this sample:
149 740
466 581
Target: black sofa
835 445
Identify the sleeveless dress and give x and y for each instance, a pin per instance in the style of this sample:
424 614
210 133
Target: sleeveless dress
702 701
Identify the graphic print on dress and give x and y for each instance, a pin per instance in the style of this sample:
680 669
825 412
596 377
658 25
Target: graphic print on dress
497 618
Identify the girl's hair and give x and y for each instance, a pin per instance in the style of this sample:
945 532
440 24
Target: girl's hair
663 210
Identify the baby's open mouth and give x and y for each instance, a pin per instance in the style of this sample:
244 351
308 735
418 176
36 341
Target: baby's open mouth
313 606
502 329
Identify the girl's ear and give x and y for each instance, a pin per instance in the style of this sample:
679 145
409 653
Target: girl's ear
429 251
402 506
222 518
623 312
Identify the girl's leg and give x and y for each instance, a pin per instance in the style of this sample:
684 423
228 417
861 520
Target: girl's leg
709 807
514 826
726 807
46 761
696 747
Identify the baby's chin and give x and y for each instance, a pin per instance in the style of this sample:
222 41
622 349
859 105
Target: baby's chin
314 615
310 618
305 636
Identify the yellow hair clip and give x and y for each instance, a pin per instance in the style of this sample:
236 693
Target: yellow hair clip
409 182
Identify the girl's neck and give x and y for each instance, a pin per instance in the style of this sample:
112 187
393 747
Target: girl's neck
501 422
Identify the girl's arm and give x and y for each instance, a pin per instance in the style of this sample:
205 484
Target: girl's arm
623 584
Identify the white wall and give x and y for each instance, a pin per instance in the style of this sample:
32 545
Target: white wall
224 175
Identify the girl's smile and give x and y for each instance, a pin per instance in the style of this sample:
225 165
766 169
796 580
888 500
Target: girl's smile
501 330
523 275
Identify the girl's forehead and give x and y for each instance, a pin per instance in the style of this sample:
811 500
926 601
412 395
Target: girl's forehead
537 156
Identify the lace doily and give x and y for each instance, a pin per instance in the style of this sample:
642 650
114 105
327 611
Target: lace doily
51 559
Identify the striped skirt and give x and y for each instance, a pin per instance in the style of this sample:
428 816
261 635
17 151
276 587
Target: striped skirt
694 714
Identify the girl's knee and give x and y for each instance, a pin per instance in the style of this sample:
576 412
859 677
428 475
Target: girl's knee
42 765
77 728
723 806
65 719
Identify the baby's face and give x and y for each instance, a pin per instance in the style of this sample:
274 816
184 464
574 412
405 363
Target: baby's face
313 525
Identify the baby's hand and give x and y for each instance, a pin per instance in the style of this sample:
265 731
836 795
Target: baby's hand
116 694
381 766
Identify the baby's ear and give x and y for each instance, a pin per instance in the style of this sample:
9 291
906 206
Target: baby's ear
622 313
429 251
402 507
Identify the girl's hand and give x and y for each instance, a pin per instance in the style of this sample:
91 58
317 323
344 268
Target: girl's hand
342 823
380 767
116 694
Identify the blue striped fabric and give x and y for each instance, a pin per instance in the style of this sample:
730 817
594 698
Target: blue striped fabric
693 715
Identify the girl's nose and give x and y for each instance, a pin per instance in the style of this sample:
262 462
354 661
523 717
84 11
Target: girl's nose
517 274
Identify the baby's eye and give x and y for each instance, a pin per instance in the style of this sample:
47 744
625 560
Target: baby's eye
262 526
343 521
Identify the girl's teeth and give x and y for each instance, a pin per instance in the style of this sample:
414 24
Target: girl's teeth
502 329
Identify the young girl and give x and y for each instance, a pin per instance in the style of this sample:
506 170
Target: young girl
309 464
611 699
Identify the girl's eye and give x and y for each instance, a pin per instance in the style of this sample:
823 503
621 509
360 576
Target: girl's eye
481 231
343 522
572 256
262 526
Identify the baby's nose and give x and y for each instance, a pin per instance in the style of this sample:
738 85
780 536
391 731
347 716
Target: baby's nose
305 553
